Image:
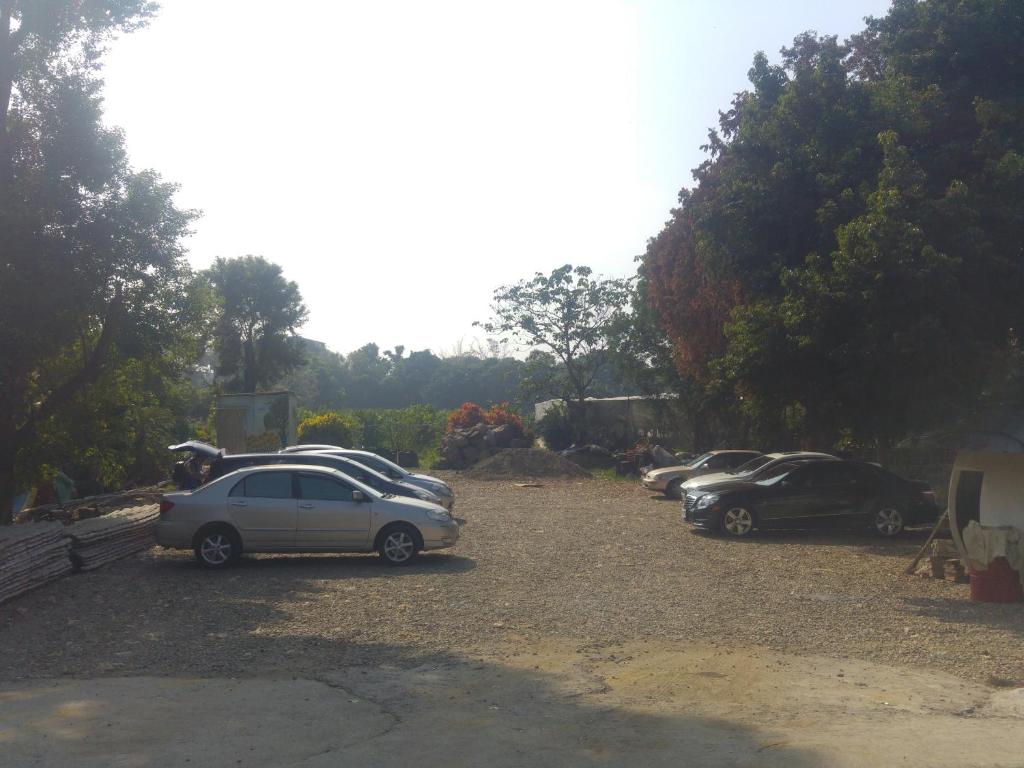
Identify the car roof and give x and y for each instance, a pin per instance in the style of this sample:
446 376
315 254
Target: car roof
348 451
735 450
798 454
307 468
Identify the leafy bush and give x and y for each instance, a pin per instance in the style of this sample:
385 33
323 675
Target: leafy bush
379 424
468 415
268 442
556 429
331 428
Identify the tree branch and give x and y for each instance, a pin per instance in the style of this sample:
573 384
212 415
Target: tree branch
86 375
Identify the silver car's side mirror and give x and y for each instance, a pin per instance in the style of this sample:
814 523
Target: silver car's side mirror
358 496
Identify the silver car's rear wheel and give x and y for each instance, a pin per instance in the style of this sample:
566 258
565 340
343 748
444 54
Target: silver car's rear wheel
217 547
397 546
888 521
737 521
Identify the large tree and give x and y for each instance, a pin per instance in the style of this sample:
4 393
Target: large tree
92 270
849 262
259 313
570 313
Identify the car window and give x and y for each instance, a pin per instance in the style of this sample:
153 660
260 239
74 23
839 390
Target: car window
265 485
837 473
699 461
751 465
721 461
373 463
738 459
323 488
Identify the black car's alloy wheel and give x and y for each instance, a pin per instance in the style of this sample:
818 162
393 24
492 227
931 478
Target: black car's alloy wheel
888 521
737 521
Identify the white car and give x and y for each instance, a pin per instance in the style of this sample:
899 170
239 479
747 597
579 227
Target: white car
669 480
298 508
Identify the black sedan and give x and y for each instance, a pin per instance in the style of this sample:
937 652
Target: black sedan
813 494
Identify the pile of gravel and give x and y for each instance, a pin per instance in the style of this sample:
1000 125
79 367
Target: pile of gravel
525 462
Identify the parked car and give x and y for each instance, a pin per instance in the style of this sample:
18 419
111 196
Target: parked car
669 480
823 493
759 465
388 468
222 465
298 508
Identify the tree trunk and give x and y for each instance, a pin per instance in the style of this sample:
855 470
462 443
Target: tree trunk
884 450
6 87
249 374
8 490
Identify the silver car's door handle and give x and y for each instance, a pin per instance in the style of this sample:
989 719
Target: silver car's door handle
305 506
239 504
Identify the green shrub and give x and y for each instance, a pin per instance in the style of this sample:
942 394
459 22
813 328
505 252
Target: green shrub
556 429
268 442
331 428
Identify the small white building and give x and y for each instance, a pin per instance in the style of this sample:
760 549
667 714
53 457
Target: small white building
256 421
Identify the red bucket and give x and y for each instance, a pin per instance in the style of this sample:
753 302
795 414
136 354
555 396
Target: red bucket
999 583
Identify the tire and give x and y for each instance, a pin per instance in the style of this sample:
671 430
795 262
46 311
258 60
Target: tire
737 521
217 546
398 544
674 490
887 521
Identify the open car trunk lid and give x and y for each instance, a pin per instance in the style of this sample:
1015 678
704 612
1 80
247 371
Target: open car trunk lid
199 448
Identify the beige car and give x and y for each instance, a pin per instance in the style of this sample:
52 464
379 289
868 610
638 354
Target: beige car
669 480
299 508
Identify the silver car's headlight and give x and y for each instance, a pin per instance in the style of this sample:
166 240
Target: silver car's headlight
439 515
707 500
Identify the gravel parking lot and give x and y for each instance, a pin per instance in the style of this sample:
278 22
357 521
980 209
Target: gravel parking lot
597 561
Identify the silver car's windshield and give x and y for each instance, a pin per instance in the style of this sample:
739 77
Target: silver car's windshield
699 460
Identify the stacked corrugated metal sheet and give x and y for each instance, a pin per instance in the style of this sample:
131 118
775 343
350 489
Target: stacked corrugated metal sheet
31 555
101 540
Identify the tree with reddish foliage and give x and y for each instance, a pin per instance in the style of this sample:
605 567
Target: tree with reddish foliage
849 262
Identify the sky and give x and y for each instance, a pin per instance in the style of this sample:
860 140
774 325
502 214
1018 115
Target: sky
401 160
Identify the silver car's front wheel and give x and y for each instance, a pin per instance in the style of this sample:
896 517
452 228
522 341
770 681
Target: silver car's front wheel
888 521
397 546
737 521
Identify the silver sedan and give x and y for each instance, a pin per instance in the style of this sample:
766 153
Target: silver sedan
299 508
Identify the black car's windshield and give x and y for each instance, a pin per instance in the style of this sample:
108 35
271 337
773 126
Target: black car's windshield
776 474
750 466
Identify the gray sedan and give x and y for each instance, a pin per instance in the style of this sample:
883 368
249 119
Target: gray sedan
298 508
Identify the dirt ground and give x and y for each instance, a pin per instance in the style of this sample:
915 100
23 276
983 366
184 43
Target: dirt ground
578 623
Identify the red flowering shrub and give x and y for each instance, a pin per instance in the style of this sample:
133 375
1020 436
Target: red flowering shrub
468 415
471 414
500 415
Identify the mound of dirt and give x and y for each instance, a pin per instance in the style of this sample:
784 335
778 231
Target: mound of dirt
525 462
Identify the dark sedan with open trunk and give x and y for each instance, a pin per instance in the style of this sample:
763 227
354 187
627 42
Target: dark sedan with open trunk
813 494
